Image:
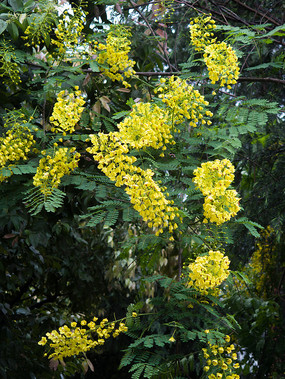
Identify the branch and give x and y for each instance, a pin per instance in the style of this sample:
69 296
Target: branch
241 79
256 79
257 12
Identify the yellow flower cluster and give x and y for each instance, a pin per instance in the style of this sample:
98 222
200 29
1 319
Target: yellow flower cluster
183 101
220 360
201 32
15 146
8 66
41 24
52 168
208 271
220 58
146 126
222 64
145 194
213 178
76 339
69 32
67 111
115 55
221 207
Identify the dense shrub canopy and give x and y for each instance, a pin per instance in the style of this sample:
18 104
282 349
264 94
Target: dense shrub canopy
142 150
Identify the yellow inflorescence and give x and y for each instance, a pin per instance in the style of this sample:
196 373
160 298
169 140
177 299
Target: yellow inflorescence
208 271
15 146
221 360
183 101
214 176
52 168
8 66
67 111
145 194
69 33
41 25
222 64
213 179
201 32
115 55
220 58
220 208
146 126
76 339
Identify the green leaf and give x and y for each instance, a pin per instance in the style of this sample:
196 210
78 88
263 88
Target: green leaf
17 5
3 26
94 66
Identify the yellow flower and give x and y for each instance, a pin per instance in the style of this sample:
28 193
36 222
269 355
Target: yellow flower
43 341
172 339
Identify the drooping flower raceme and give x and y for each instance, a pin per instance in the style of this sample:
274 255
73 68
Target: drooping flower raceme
115 55
201 32
15 145
8 64
220 58
208 271
67 111
40 24
80 338
213 179
222 64
220 359
145 194
53 167
69 40
219 208
147 126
